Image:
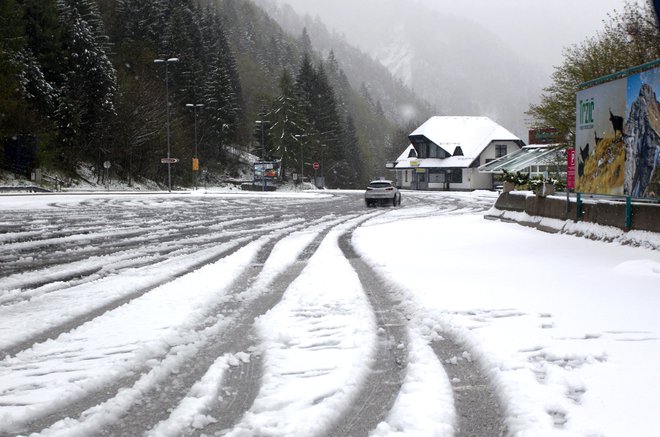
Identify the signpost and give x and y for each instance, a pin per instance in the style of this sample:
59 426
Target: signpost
316 166
169 160
106 166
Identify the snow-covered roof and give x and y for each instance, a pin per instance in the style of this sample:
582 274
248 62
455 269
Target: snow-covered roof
534 154
406 153
473 134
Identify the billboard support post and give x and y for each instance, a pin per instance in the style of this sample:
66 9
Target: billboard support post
578 207
628 212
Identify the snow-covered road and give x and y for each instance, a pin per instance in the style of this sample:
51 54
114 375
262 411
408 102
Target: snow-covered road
298 314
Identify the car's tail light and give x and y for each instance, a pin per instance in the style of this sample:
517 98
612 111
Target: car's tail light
369 189
389 189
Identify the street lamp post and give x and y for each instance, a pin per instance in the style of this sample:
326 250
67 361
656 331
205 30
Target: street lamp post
263 153
195 106
261 123
167 94
301 155
322 162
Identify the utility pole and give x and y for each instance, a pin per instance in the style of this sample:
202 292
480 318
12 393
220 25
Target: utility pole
195 157
167 94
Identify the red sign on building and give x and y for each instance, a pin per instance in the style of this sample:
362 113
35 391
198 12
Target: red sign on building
570 169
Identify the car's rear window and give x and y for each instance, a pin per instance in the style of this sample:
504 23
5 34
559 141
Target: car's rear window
380 185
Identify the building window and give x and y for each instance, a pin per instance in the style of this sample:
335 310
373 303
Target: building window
456 175
500 150
406 175
427 149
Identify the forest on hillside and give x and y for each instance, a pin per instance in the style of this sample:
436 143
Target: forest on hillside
79 78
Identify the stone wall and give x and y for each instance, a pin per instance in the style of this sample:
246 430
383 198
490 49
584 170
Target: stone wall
645 216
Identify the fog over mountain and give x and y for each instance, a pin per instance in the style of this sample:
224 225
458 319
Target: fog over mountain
460 62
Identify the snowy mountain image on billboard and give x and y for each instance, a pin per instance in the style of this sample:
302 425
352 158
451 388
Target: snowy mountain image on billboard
642 139
600 148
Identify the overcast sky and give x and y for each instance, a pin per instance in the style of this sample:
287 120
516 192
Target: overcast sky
538 28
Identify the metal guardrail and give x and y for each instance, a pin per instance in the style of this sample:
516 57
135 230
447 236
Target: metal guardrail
29 189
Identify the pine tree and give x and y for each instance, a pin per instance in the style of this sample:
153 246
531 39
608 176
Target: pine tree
15 117
328 125
183 39
34 62
339 83
44 36
89 85
222 92
140 20
318 104
287 125
306 42
353 172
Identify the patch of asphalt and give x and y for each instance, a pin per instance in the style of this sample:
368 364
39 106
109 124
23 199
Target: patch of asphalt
381 387
478 411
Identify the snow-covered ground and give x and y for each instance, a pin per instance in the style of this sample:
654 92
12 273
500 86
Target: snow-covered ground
566 328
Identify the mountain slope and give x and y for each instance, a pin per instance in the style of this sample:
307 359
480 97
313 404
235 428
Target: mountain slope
398 101
455 64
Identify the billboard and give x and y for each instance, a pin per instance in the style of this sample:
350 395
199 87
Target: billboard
269 170
21 154
618 136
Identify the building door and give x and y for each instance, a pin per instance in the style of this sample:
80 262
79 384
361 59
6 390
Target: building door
421 180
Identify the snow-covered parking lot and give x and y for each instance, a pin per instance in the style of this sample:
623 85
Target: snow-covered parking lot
308 314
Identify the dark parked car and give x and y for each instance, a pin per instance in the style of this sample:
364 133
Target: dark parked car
382 192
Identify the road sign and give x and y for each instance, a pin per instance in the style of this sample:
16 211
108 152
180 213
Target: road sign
169 160
195 164
106 164
316 166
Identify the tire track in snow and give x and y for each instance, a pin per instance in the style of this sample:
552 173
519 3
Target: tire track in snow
55 250
101 395
76 271
56 331
478 410
241 381
233 319
477 407
187 248
127 387
380 389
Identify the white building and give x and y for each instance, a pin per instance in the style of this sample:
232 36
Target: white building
446 152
